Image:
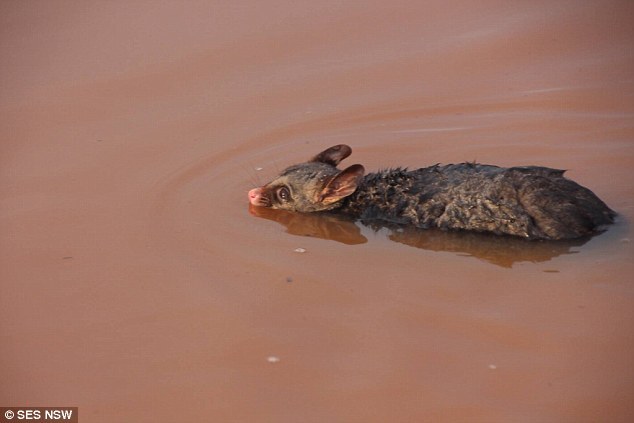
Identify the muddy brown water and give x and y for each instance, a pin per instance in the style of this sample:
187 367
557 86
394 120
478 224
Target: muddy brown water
138 285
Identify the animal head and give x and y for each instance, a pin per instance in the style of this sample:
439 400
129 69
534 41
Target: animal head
312 186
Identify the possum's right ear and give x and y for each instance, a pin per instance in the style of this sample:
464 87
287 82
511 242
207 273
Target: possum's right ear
341 185
333 155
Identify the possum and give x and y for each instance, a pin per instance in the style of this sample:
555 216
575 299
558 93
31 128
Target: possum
531 202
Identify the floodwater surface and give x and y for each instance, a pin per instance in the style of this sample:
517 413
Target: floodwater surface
138 285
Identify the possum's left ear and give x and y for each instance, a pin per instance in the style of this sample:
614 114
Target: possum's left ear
341 185
333 155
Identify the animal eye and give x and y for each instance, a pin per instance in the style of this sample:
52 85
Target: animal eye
283 194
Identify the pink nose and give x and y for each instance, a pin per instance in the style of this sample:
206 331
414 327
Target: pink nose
254 195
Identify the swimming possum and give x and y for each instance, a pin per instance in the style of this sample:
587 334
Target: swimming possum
530 202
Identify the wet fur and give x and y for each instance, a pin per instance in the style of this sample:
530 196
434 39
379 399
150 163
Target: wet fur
530 202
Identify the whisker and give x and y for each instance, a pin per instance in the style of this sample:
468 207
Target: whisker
247 169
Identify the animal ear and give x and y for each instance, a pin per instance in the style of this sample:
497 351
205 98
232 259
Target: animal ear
333 155
341 185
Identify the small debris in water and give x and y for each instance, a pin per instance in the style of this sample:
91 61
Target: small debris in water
551 271
273 359
625 240
259 168
492 366
300 250
289 279
67 258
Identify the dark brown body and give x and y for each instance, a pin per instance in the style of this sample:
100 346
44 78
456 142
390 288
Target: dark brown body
530 202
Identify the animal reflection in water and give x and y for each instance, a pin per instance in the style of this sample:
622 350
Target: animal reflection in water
501 251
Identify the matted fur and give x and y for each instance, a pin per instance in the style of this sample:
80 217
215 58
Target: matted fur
531 202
